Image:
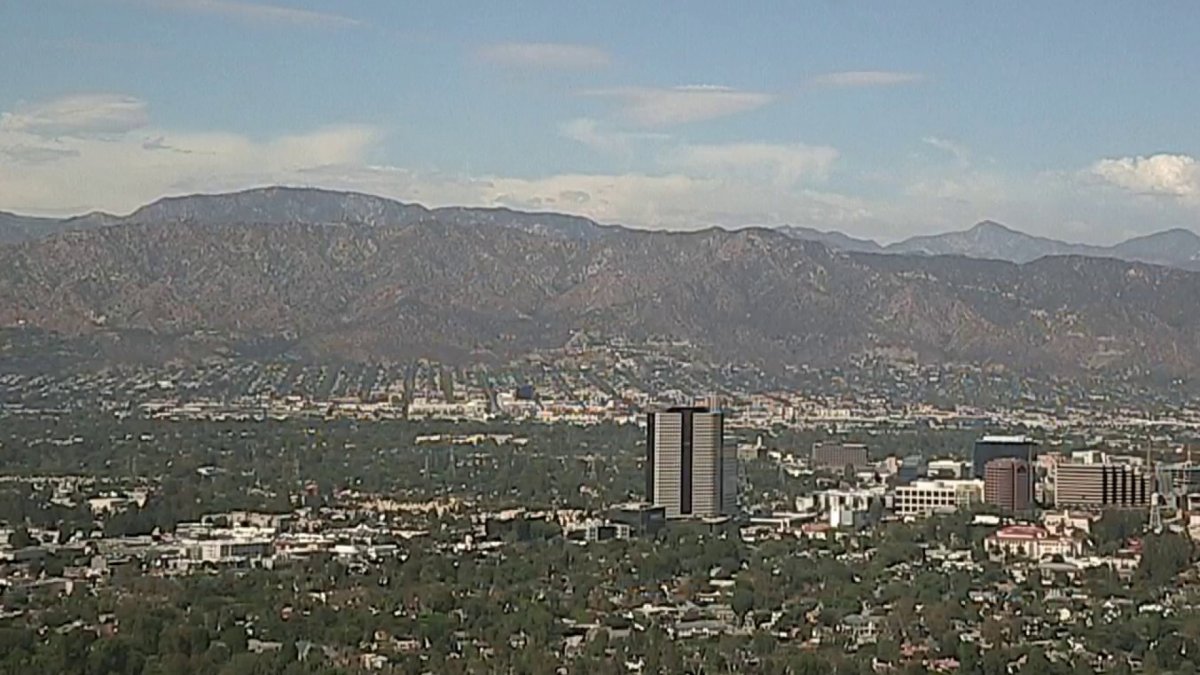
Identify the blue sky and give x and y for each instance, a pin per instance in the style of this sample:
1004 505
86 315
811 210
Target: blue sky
1073 119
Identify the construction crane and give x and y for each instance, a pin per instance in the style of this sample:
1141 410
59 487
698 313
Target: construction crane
1162 481
1168 492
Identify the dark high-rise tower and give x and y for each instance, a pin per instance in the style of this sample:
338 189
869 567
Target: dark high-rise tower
997 447
1007 484
688 470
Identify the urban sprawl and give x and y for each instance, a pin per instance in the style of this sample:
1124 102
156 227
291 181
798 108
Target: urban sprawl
601 509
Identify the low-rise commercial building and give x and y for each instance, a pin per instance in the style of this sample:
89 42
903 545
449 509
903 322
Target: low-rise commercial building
1030 541
924 497
947 468
839 455
1102 486
229 550
641 517
911 468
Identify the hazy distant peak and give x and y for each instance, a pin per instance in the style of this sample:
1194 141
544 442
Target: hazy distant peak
1175 234
1175 247
831 238
991 240
992 227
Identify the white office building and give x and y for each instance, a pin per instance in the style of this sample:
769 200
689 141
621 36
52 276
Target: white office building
925 497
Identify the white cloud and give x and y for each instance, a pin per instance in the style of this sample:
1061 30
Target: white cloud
120 171
959 151
544 56
866 78
587 131
659 107
598 136
1162 175
35 154
679 185
77 115
973 188
255 11
781 163
675 201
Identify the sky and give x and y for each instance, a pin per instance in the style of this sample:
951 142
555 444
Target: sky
1076 120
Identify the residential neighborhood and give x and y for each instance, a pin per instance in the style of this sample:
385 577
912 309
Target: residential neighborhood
885 543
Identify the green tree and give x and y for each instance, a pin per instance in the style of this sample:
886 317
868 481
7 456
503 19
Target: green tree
20 537
742 601
1164 556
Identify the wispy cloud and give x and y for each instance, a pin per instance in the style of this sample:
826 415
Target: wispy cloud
544 56
659 107
1160 175
255 11
160 143
102 151
598 136
672 201
959 151
36 154
783 164
866 78
77 115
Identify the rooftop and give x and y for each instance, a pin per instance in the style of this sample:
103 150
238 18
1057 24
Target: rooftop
1021 532
941 483
1007 462
1007 440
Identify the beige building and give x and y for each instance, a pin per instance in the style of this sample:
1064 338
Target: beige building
1030 541
689 471
925 497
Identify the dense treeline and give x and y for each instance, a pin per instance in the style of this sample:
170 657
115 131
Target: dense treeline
505 613
201 466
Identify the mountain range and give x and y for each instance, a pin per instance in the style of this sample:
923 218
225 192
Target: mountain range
278 205
287 205
992 241
324 275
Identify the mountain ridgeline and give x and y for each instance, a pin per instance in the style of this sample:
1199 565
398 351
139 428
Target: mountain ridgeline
992 241
287 205
316 274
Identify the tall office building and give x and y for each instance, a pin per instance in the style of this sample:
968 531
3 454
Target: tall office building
1006 484
1102 486
689 472
997 447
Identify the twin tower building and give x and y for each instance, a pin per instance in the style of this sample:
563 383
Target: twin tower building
689 471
